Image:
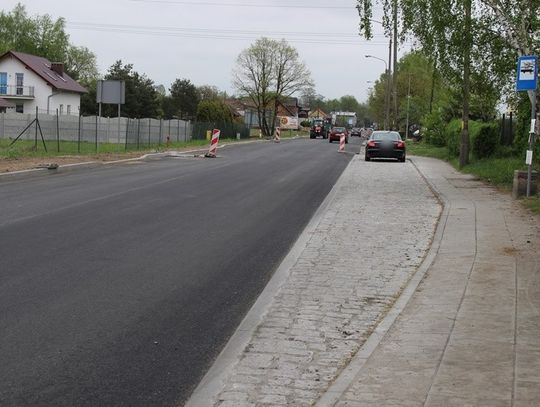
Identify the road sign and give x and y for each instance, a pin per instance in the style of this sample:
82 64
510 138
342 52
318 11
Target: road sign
527 73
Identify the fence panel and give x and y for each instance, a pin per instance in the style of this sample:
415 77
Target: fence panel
84 134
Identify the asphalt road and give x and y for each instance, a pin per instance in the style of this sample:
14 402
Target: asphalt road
120 285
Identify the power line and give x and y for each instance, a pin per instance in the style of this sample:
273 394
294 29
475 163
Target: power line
214 4
224 34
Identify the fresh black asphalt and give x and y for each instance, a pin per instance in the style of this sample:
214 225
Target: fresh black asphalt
120 285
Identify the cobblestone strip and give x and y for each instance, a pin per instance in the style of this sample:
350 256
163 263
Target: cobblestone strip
366 247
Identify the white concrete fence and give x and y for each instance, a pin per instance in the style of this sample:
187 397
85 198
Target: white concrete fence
109 130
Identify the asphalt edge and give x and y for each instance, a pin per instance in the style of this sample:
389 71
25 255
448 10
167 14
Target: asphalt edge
206 393
347 376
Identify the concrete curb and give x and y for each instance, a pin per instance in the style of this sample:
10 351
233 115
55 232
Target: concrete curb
347 377
210 386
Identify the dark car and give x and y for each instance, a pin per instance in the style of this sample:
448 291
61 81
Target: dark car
335 134
356 131
385 144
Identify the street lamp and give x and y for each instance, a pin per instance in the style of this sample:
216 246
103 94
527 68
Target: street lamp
386 93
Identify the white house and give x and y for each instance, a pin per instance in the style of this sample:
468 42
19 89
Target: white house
29 81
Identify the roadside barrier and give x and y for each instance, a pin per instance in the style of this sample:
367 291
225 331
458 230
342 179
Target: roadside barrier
277 137
213 144
342 143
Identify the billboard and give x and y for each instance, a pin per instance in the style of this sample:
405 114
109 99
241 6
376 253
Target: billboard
288 122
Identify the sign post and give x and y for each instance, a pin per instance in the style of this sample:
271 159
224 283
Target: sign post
527 80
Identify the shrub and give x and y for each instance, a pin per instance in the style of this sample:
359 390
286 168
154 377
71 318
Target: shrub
434 133
305 123
485 141
453 137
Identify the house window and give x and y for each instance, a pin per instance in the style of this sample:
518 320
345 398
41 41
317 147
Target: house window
61 109
68 109
3 83
19 78
19 108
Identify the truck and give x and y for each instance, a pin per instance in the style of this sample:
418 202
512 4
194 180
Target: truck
320 127
344 119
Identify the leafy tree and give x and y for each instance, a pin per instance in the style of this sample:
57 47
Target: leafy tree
141 97
268 72
81 64
209 92
213 111
184 98
45 37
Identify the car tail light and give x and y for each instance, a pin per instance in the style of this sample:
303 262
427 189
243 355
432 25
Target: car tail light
371 143
400 144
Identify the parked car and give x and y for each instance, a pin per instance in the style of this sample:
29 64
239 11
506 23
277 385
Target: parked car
335 134
385 144
356 131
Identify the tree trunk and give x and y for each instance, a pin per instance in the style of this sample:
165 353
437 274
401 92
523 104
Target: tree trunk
464 146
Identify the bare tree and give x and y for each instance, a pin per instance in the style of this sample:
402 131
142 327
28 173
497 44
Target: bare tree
267 73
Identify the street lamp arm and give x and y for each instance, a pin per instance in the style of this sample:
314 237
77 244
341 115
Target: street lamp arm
380 59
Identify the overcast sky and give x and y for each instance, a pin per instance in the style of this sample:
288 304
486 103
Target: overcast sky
200 40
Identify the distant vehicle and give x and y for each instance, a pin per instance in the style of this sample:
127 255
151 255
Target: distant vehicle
336 133
356 131
385 144
320 127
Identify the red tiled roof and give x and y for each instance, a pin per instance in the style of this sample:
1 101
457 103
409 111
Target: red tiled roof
4 103
42 67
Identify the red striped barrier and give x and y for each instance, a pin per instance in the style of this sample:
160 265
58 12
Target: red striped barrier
342 143
277 137
213 144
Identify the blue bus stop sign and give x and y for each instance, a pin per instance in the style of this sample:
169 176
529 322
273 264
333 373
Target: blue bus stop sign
527 73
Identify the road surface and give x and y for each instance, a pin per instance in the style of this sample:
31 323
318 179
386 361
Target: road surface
120 285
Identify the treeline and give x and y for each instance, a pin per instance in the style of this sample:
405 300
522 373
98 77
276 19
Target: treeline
463 71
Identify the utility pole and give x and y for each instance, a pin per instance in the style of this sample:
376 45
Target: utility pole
395 123
464 145
408 106
386 89
389 86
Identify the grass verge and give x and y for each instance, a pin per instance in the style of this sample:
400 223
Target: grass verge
496 171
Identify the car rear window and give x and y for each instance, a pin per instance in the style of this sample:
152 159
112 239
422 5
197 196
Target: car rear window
392 136
339 129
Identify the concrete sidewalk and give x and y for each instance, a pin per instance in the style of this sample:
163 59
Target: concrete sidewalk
369 313
470 335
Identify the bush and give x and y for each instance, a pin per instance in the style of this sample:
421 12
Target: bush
452 135
434 133
305 123
485 141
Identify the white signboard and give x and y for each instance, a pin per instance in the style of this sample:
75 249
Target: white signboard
288 122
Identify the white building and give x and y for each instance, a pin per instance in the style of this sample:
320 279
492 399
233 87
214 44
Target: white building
29 81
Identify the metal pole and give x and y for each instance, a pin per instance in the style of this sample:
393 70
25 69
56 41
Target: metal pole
35 138
388 85
531 141
79 136
57 132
